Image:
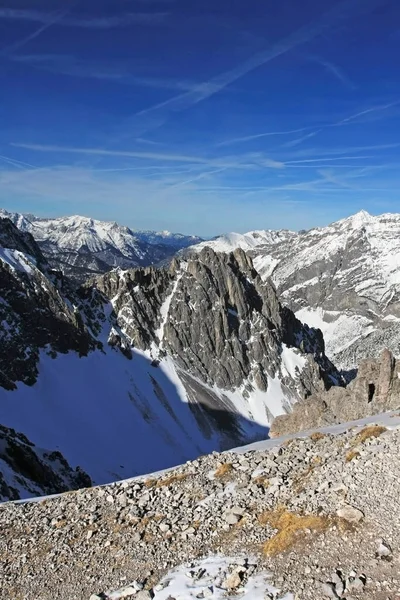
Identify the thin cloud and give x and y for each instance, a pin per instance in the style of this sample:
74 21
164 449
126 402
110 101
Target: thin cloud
256 136
197 178
149 142
344 150
299 37
335 70
87 23
316 160
64 64
300 140
367 111
340 182
53 18
16 163
182 158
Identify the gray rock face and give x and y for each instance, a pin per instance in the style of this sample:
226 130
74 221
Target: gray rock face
34 314
232 357
342 278
220 322
34 471
375 389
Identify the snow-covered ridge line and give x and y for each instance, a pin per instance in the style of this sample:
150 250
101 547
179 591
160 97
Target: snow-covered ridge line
83 247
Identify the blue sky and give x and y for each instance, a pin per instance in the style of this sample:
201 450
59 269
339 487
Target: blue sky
200 117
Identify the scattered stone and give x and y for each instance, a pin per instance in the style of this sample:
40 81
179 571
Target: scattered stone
350 514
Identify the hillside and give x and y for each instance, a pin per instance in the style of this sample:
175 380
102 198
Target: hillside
305 518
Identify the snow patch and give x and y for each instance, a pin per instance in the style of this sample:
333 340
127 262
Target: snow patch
208 575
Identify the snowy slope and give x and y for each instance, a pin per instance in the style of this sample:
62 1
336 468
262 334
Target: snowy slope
345 278
111 416
81 246
246 241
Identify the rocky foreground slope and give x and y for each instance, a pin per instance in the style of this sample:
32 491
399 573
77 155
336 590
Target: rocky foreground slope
343 278
309 518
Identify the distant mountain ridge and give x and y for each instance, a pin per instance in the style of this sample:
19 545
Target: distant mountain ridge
343 278
82 247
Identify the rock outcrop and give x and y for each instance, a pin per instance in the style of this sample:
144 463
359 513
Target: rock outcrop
28 470
220 322
376 389
34 312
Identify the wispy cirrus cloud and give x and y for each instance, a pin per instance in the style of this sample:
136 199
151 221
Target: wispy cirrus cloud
335 70
378 110
64 64
326 159
301 139
256 136
53 19
367 111
245 162
342 150
304 34
86 22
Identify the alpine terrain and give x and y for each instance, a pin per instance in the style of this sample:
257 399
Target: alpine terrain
81 247
143 369
343 279
122 379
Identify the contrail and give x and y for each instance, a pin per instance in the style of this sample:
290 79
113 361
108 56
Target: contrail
53 19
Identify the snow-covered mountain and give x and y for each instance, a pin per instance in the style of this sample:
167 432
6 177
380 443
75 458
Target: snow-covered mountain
247 241
146 368
343 278
83 247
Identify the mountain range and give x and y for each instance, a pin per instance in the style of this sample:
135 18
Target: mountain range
82 247
137 369
343 279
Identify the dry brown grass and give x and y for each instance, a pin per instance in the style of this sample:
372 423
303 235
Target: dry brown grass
158 483
315 437
290 526
171 480
223 470
261 480
351 455
149 483
289 442
60 524
371 431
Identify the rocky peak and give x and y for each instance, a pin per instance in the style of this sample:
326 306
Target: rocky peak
22 241
34 311
220 322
